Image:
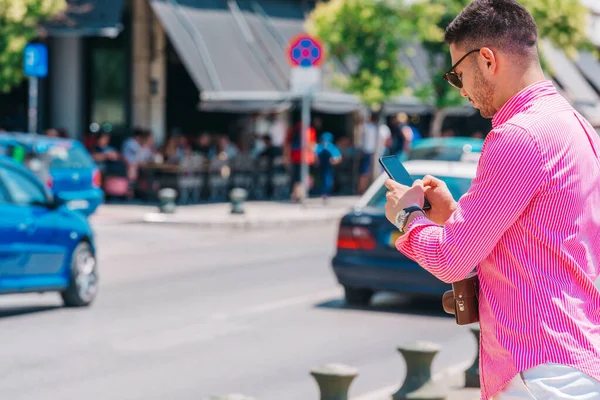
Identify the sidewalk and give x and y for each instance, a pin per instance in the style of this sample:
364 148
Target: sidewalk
258 214
453 378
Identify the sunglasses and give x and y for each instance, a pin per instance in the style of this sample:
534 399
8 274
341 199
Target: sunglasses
452 77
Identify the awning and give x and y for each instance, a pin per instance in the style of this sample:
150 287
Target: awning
590 67
332 103
88 18
574 85
245 101
213 46
568 76
235 52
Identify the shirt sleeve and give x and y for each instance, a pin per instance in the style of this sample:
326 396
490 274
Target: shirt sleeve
510 173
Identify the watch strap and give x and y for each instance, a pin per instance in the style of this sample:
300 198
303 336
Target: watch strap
407 211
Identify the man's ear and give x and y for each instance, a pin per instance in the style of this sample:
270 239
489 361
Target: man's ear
490 58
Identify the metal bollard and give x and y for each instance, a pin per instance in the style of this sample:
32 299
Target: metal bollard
238 196
235 396
166 198
418 384
472 379
334 380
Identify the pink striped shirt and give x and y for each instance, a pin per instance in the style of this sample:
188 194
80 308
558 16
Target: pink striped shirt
530 223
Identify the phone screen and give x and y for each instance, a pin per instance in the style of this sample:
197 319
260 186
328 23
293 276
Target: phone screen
396 171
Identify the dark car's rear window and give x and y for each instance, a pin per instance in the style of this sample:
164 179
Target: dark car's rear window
457 186
69 156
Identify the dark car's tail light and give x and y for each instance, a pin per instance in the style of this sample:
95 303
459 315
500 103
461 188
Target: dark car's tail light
355 238
97 179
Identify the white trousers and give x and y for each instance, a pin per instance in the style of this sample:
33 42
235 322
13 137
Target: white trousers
550 382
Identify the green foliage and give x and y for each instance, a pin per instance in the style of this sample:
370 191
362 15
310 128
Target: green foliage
563 22
19 20
365 37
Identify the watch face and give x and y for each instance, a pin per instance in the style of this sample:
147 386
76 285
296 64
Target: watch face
400 219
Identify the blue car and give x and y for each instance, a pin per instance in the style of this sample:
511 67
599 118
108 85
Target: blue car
64 165
366 259
44 246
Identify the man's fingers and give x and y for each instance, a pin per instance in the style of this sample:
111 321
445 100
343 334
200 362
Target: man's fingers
418 182
429 180
392 184
389 184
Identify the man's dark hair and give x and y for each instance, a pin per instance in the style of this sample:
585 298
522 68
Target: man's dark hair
503 24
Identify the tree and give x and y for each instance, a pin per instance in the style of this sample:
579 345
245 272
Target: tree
563 22
19 21
363 38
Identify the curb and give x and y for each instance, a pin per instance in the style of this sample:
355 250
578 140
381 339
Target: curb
236 222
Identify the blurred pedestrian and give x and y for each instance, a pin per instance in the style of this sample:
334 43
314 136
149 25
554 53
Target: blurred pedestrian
176 149
103 151
51 132
133 152
107 157
402 135
328 155
374 138
63 133
529 224
292 154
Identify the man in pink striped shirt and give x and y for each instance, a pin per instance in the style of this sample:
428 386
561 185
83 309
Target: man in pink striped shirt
529 224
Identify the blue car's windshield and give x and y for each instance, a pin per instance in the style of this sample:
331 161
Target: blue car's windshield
457 186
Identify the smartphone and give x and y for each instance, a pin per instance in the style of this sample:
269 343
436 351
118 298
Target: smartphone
396 171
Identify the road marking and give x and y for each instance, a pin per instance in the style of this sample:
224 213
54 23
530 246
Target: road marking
284 303
387 391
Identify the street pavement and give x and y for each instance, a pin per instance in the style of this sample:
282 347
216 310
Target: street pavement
185 312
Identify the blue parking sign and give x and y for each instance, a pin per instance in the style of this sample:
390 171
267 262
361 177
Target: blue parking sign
35 63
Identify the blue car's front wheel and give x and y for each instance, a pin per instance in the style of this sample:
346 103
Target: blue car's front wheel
83 286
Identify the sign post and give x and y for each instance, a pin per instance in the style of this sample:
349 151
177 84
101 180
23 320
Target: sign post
35 66
305 54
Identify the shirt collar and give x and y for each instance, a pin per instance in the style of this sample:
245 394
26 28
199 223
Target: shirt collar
522 100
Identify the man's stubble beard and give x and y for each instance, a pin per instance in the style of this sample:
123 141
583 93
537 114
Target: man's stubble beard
485 94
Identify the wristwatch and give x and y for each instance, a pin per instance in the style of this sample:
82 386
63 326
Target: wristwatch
403 215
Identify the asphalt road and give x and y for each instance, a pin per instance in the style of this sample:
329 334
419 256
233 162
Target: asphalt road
185 313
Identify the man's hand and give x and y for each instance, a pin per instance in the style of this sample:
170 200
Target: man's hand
400 197
440 198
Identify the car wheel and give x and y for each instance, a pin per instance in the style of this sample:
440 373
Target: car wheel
83 286
358 296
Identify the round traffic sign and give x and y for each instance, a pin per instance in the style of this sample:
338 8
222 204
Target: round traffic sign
305 51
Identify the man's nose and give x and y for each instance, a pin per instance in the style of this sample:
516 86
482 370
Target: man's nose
463 93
